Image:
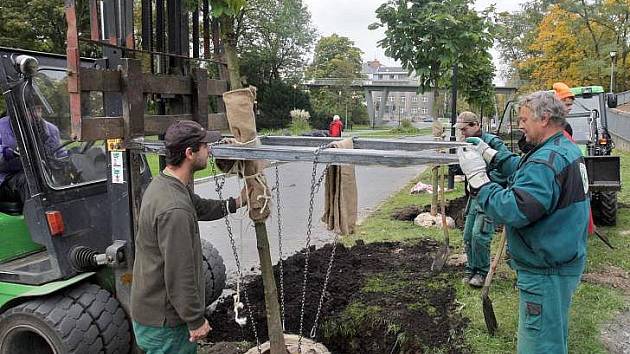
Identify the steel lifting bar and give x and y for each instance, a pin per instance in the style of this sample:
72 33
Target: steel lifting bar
393 153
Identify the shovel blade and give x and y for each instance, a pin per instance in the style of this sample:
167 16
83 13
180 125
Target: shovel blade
488 315
440 259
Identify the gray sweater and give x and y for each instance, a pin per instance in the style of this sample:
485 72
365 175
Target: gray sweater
168 286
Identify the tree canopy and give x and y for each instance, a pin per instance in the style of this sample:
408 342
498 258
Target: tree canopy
564 40
428 37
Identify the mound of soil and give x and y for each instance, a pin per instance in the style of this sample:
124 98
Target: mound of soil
381 298
454 208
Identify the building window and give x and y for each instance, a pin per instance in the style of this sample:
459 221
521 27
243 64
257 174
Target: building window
424 110
402 100
392 77
414 110
378 98
402 110
391 98
425 99
414 99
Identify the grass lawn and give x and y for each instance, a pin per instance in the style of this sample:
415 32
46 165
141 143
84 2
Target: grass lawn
593 304
154 165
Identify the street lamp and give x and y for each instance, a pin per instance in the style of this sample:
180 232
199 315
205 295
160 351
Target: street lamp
613 54
294 90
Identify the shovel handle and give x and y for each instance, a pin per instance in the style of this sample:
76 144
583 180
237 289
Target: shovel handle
495 263
443 206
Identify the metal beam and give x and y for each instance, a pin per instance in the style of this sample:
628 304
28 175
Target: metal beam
360 143
392 158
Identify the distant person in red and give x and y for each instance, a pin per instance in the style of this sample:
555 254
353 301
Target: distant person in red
336 127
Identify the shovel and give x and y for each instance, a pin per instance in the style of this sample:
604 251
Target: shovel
488 311
442 256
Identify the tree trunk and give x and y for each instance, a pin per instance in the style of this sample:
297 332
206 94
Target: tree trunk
229 44
274 323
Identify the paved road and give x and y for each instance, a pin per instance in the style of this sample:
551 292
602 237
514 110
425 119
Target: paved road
375 184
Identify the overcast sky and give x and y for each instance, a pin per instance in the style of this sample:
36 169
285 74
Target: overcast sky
350 18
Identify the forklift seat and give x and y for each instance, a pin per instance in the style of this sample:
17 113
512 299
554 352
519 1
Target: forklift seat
11 208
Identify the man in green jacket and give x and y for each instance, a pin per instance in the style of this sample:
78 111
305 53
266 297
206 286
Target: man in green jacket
545 209
168 289
479 227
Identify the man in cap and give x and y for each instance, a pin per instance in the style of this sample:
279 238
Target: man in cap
167 293
479 228
545 210
564 94
336 126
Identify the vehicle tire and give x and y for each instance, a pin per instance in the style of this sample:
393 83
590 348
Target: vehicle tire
604 206
53 324
213 271
107 314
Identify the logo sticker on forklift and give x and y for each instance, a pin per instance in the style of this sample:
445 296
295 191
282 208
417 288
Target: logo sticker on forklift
117 167
114 145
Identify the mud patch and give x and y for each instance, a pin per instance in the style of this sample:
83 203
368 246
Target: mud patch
454 208
612 276
382 298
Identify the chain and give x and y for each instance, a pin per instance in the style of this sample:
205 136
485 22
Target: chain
308 240
228 225
280 263
321 298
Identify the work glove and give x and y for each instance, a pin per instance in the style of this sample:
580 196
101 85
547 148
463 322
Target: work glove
482 148
474 167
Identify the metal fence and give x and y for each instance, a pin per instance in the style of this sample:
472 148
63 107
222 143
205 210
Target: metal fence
623 98
619 125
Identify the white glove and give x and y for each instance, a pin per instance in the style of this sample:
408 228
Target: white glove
482 148
473 166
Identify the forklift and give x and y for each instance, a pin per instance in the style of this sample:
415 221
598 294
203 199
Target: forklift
589 122
66 250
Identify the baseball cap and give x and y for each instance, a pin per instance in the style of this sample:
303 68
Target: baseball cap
465 118
562 90
185 133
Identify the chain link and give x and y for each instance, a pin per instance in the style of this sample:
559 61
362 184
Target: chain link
219 189
321 298
281 261
309 225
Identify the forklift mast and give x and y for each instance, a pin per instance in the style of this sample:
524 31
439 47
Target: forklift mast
144 90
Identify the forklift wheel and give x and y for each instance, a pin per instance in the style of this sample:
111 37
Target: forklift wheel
107 314
604 206
55 324
213 271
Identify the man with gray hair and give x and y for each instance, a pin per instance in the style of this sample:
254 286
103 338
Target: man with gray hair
545 209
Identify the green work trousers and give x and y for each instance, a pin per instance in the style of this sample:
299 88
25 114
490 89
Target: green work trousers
543 312
478 232
164 340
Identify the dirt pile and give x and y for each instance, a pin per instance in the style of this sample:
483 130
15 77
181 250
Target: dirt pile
382 298
454 208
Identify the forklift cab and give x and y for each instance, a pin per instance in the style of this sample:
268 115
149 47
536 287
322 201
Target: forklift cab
67 207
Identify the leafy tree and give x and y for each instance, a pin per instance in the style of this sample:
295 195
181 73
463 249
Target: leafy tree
38 24
275 100
548 41
336 57
428 37
275 35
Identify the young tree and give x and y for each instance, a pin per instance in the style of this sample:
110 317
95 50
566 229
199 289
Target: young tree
428 37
